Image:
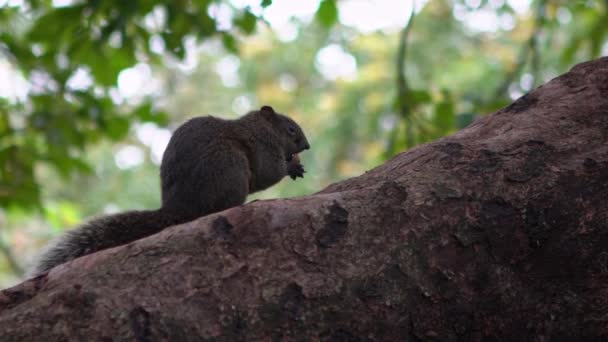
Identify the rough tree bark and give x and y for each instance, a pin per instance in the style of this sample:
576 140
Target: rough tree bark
498 232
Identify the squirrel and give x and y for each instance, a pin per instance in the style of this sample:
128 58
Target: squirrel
209 165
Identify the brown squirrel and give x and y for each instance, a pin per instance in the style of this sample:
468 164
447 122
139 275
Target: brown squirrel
210 164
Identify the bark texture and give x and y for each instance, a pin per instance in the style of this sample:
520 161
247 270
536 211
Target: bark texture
498 232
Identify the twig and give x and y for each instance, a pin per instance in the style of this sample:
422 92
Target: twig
402 87
529 49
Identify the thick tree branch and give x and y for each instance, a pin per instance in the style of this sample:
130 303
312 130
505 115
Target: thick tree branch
497 232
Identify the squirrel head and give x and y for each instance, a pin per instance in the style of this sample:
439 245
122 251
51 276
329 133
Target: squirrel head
288 130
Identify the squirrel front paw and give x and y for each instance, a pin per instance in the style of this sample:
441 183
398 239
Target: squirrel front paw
294 168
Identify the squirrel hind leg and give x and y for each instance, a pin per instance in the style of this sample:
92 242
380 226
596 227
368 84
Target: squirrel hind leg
232 183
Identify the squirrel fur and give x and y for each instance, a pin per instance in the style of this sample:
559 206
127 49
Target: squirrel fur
210 164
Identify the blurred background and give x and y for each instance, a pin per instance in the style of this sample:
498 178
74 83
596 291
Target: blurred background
90 90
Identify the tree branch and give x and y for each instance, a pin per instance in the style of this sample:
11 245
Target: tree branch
497 232
403 102
528 51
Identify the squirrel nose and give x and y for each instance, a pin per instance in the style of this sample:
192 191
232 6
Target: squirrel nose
307 146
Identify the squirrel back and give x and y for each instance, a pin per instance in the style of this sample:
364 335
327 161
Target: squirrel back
210 165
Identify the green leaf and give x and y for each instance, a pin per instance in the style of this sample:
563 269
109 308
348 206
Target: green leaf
464 119
568 53
419 96
55 23
266 3
230 43
206 25
597 37
246 22
104 61
117 127
62 215
146 113
21 51
327 14
494 105
444 116
173 43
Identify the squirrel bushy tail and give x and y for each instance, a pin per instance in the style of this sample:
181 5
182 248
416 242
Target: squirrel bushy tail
103 232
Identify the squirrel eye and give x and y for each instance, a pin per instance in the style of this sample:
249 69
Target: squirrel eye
291 130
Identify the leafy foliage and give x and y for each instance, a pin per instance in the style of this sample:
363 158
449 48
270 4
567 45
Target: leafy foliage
50 45
327 14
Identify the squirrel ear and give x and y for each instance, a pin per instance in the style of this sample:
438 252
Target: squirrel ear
268 113
267 110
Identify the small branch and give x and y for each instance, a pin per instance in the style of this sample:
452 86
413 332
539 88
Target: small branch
402 87
529 50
